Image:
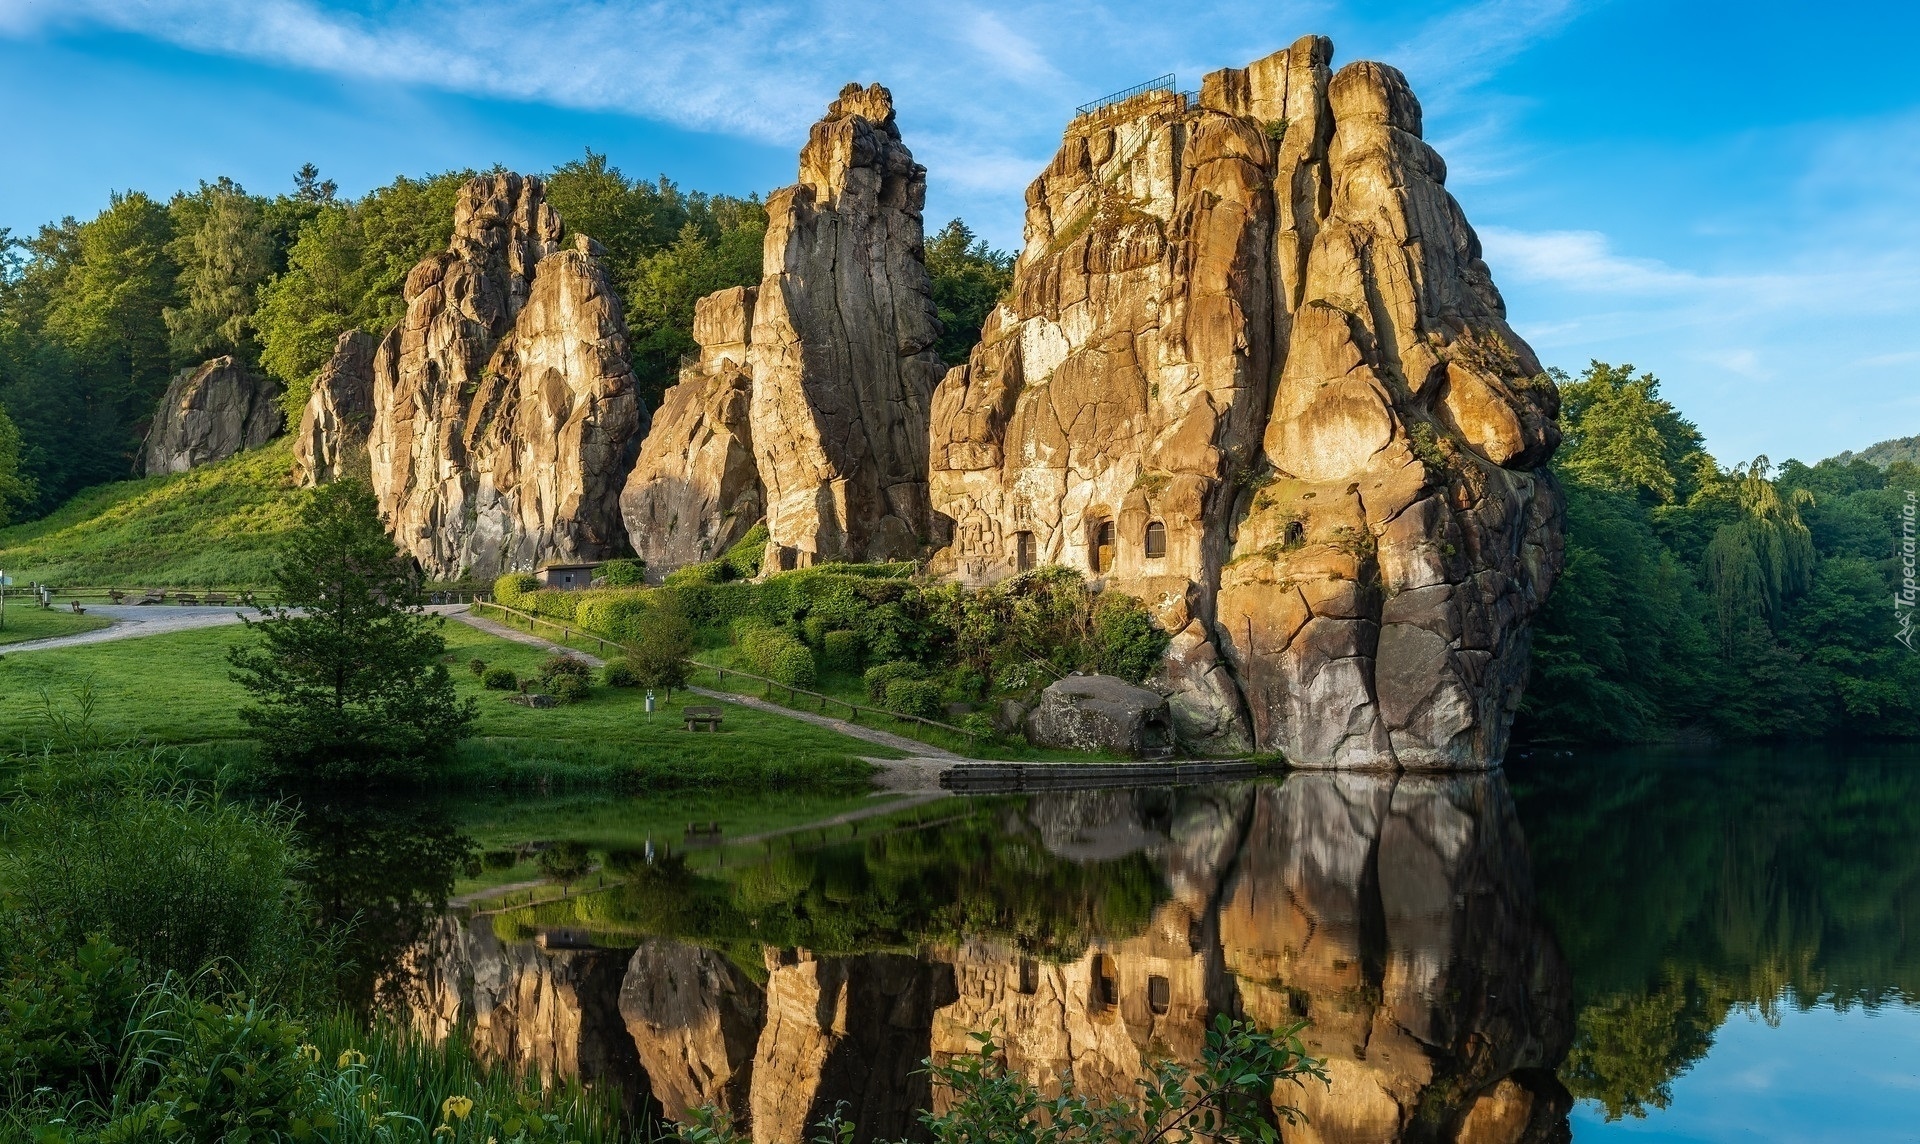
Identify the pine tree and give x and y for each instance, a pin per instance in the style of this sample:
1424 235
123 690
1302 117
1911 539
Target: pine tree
347 673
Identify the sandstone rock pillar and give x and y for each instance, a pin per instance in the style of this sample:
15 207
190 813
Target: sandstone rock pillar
209 413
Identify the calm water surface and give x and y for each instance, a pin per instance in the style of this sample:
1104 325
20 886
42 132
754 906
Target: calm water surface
1655 947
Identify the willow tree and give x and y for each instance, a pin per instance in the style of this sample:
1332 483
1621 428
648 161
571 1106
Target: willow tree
1762 558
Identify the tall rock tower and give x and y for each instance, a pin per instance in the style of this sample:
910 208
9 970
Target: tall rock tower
833 353
1254 371
502 416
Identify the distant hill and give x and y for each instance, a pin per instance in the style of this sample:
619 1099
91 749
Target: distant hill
213 527
1885 453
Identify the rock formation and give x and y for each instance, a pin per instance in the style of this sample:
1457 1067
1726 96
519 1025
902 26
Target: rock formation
1254 371
332 439
502 424
209 413
1099 713
695 1020
839 368
695 488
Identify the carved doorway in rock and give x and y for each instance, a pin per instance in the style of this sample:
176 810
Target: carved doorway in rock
1103 547
1023 551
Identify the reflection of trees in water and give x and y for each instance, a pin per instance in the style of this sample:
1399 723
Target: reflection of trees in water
986 873
1681 891
382 873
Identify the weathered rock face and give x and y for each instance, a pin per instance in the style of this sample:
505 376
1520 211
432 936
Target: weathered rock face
332 439
501 426
833 356
696 489
209 413
1100 713
1255 372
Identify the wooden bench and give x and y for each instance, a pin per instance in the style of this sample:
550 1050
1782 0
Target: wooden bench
186 599
701 718
216 597
77 609
703 829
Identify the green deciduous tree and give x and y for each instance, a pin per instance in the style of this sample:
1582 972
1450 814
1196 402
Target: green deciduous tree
968 279
347 673
16 489
223 245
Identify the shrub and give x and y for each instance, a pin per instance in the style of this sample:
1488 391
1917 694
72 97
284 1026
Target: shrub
477 666
813 629
500 859
779 654
500 679
878 676
516 590
565 862
841 651
744 557
560 665
623 573
965 685
62 1019
914 697
618 673
615 614
1125 641
662 641
740 627
696 575
117 849
569 688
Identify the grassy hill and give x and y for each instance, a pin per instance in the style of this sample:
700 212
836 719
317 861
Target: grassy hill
214 527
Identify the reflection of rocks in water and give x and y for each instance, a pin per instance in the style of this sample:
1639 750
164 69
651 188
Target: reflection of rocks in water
694 1018
852 1029
554 1012
1396 914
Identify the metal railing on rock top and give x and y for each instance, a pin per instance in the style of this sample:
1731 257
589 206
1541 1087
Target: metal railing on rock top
1164 83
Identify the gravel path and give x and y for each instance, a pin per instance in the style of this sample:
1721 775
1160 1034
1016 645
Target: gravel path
130 621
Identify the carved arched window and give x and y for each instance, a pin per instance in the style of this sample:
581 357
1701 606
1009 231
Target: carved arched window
1159 994
1106 982
1156 540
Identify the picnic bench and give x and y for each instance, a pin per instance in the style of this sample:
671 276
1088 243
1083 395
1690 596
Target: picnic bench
703 830
77 609
701 718
186 599
216 597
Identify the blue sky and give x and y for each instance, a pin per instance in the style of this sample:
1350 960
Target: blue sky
1722 193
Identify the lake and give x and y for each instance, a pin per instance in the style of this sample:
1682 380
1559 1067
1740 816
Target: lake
1671 947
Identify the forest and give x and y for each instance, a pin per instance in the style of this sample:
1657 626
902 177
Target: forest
1700 602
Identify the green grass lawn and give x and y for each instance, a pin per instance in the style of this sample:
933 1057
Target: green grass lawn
25 621
174 689
214 527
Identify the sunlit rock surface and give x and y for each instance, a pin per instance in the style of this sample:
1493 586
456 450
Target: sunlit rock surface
331 441
501 427
210 412
1254 371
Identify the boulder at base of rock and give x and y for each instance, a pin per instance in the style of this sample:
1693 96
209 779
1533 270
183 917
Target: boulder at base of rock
209 413
1100 713
332 439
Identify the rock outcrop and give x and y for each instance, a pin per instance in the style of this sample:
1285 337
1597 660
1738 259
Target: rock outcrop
839 369
209 413
1100 713
1254 371
332 439
502 425
695 488
695 1020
